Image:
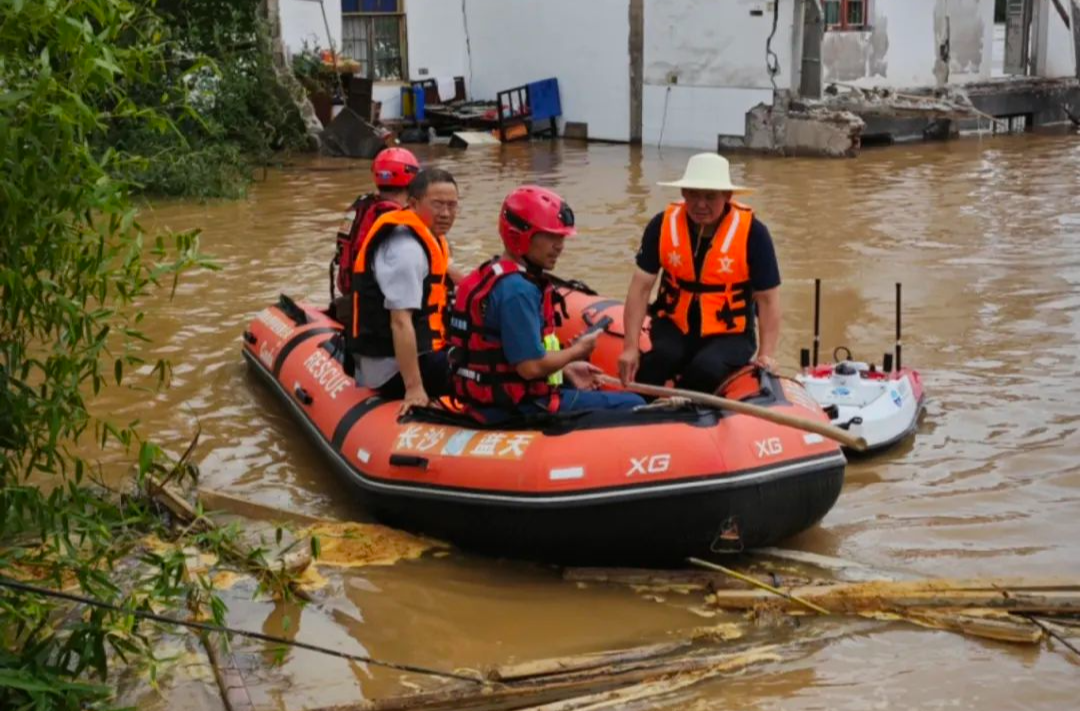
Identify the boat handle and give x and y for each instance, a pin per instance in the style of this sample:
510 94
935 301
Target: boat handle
250 337
408 460
303 395
598 326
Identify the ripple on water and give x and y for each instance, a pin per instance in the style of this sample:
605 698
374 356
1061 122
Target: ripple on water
982 233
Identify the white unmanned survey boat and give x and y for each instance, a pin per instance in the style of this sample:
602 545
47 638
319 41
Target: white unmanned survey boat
882 406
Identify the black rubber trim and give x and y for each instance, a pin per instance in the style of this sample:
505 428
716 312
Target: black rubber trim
408 460
595 309
292 310
351 417
299 338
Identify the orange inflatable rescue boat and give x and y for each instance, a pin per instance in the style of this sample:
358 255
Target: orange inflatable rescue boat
651 485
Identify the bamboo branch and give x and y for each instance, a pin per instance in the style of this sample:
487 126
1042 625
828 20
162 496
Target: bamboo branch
289 564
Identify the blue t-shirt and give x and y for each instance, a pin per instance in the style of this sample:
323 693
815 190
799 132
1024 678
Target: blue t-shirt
513 309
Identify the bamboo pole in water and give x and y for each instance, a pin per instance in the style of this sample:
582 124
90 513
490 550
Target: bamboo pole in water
581 662
546 690
858 597
234 691
688 579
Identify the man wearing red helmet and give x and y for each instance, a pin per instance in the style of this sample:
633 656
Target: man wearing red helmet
393 169
506 359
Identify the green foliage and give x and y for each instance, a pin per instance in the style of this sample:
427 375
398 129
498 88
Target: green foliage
74 263
315 75
228 110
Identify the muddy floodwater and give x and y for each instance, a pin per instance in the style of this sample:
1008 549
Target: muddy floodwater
984 234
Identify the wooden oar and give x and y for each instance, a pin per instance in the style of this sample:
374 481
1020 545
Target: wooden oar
765 413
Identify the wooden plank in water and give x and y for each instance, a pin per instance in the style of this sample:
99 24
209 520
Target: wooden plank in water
860 597
214 500
557 665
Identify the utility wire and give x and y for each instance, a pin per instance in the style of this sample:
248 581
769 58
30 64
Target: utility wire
772 62
205 627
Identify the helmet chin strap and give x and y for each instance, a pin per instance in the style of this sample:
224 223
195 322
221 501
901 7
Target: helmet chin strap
531 267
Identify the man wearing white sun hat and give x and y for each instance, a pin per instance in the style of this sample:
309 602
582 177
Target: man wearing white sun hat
720 275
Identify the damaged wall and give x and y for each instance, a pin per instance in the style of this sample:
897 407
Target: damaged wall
705 67
914 43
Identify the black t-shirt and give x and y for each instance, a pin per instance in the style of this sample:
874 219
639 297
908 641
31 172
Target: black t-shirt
760 255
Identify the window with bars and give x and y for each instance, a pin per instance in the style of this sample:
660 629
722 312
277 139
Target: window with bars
846 14
373 33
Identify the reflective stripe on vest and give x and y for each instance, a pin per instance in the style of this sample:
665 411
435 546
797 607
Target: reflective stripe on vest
552 345
722 288
434 299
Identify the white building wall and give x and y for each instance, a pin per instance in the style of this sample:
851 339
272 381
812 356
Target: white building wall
1056 53
705 66
582 43
303 20
901 49
436 37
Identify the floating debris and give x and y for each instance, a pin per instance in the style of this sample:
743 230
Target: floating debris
354 545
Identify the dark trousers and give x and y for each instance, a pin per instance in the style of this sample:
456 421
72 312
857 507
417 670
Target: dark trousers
434 373
701 364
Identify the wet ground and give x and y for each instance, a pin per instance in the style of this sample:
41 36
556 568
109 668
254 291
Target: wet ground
983 233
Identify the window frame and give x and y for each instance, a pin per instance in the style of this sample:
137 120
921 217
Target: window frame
844 9
368 19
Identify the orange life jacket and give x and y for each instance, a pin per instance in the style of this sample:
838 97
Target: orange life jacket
370 330
723 287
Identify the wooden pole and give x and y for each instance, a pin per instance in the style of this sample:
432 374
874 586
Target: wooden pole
765 413
861 597
581 662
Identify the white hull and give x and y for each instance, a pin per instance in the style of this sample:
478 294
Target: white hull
882 408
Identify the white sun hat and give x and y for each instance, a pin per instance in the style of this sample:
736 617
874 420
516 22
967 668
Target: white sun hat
707 171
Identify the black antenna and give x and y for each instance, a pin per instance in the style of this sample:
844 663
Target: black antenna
898 325
817 319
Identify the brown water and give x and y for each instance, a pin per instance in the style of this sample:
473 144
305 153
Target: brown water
985 236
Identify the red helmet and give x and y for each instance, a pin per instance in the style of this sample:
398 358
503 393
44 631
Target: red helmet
531 209
395 168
